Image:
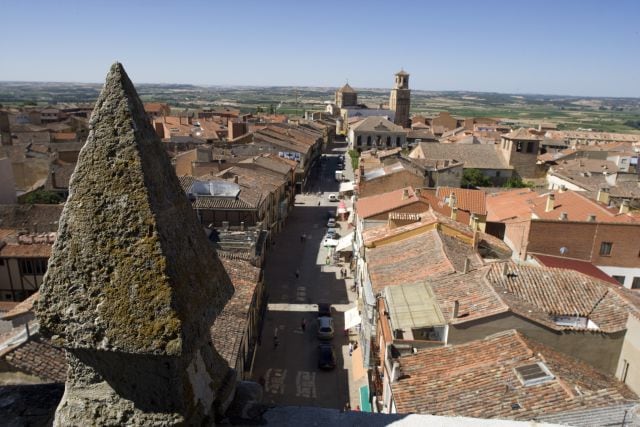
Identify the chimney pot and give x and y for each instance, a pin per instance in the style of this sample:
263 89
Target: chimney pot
550 203
564 216
456 309
467 263
624 207
591 218
505 269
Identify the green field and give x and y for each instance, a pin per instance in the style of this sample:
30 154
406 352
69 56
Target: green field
567 112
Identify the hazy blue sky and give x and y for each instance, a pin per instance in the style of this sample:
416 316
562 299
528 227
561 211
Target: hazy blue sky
579 47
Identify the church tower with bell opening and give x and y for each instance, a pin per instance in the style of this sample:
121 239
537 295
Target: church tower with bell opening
400 99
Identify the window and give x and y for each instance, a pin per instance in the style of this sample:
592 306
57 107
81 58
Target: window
359 139
388 141
519 147
536 373
619 279
497 174
636 283
397 141
605 248
369 141
530 147
33 266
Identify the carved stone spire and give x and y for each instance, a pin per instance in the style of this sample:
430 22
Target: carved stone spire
133 286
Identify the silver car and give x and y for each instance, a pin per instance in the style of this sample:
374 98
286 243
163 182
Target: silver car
325 328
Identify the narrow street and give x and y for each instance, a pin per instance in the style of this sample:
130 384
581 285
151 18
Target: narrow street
289 370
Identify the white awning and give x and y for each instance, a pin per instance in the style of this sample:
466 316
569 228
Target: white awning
352 318
346 186
330 242
345 243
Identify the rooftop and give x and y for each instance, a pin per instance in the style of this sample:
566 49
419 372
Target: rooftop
484 378
478 156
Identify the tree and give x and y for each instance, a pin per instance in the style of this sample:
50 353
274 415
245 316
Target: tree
516 182
43 197
475 178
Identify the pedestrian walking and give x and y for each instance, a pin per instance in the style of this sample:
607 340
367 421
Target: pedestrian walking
303 324
297 274
347 407
318 202
350 348
302 238
275 342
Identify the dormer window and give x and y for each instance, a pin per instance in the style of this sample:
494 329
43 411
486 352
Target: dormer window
534 374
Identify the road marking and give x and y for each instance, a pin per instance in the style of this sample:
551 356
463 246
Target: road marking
274 381
301 293
306 307
306 384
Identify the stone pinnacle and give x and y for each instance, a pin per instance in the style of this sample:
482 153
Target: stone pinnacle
133 281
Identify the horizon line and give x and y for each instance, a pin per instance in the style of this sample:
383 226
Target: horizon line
329 87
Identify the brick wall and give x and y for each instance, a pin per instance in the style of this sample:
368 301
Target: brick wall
583 241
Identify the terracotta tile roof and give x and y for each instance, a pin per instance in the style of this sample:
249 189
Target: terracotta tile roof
230 327
522 134
593 136
577 207
346 89
522 204
412 260
479 379
554 157
374 205
473 201
39 358
542 294
584 267
38 218
377 124
248 198
479 156
26 251
155 107
475 297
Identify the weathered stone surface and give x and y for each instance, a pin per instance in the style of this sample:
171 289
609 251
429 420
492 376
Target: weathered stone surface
131 270
133 286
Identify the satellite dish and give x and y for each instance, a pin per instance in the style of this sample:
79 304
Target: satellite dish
563 250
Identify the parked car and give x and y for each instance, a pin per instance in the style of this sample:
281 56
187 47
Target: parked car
324 310
331 223
331 214
333 197
325 328
326 357
332 233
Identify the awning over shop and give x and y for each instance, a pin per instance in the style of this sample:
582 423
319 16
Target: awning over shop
352 318
345 243
345 187
330 242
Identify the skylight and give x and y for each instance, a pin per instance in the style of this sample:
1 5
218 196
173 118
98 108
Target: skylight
534 374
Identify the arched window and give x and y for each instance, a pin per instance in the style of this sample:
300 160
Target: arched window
388 141
397 141
369 141
359 139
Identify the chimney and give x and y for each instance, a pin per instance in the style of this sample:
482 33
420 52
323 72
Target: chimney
467 264
505 269
235 179
624 207
591 218
550 203
417 192
453 200
241 225
454 214
456 309
564 216
473 222
603 196
405 194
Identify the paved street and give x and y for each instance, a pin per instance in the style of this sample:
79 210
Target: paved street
289 370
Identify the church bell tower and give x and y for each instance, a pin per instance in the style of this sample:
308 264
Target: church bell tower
400 99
